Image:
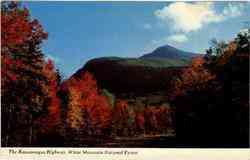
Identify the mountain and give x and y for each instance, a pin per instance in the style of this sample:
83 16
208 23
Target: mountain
149 73
168 52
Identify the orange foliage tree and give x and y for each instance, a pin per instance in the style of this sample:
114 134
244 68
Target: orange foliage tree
194 77
52 119
88 111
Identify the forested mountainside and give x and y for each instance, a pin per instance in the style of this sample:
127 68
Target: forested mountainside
116 77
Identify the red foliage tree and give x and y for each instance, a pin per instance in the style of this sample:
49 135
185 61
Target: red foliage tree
23 82
21 57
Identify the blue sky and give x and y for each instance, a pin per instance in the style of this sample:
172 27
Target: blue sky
79 31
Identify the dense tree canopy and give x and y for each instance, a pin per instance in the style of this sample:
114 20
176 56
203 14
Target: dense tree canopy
211 96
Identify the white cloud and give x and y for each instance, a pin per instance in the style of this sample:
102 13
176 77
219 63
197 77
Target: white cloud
178 38
147 26
53 58
186 17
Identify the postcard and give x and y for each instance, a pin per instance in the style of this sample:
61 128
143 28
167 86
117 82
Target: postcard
125 80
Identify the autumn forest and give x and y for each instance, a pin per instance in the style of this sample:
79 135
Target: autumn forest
116 102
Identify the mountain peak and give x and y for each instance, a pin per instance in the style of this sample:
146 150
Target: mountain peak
169 52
